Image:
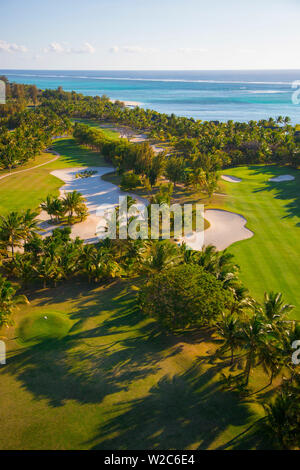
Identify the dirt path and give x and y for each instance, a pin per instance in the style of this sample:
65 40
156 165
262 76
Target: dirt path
33 167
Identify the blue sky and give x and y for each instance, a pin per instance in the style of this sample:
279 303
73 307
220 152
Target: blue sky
152 34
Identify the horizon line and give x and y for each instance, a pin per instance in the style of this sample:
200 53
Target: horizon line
174 69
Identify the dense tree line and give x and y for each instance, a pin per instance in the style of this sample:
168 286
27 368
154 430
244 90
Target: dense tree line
24 135
18 96
198 148
123 154
210 142
145 166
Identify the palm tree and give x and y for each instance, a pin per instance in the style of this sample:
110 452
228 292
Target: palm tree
57 208
12 230
230 330
135 252
21 267
73 202
48 270
241 299
161 255
253 339
208 259
47 206
100 265
30 224
220 264
271 359
281 419
275 309
8 301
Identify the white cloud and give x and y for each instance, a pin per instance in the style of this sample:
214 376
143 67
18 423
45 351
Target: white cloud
54 47
11 47
86 48
191 50
58 48
132 50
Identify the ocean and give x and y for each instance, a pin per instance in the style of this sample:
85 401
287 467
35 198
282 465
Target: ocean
207 95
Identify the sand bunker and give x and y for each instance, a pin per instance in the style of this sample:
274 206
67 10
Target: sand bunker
231 179
225 229
279 179
96 191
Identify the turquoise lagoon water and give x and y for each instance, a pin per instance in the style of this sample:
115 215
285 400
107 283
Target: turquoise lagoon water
206 95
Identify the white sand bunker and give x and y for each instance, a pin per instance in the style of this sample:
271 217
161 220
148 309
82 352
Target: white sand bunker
225 229
96 191
231 179
279 179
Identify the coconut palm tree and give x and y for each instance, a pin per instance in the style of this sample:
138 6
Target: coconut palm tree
73 202
281 419
208 259
48 270
47 206
12 230
100 265
21 267
30 224
275 309
220 264
57 208
271 359
8 301
134 254
229 329
253 339
161 255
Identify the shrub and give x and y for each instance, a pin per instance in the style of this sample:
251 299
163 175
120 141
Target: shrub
130 181
184 296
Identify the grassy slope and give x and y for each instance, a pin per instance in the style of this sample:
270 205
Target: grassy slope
116 381
26 190
271 259
108 129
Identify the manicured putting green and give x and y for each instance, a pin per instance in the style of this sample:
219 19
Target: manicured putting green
43 326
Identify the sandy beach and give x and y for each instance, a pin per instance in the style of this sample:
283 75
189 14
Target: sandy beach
128 104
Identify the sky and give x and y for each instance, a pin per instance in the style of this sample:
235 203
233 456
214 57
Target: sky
150 34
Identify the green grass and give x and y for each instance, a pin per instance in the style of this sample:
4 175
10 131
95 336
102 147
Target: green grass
38 160
271 259
108 129
115 380
43 326
26 190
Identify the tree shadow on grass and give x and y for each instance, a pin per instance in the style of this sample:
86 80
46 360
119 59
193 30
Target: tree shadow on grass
288 191
78 155
88 365
113 352
117 347
73 370
185 410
